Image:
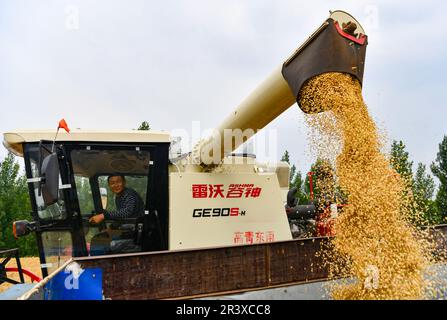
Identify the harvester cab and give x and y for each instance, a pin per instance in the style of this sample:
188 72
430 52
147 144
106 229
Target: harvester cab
68 184
210 197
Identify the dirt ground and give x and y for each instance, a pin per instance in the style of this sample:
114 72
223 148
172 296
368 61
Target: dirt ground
31 264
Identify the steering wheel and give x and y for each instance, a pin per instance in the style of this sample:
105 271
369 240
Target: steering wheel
86 223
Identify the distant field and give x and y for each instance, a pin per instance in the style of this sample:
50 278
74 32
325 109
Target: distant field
29 263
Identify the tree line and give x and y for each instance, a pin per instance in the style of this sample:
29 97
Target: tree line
14 205
429 199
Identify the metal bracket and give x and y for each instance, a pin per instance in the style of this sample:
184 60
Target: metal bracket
32 180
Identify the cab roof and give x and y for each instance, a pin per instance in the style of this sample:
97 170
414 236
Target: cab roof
14 140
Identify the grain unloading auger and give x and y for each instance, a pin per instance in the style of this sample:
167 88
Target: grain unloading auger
338 45
190 203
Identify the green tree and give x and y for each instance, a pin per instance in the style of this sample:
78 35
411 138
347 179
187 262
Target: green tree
439 169
423 190
144 126
285 157
400 162
301 194
14 205
423 182
306 185
296 180
414 206
324 187
292 174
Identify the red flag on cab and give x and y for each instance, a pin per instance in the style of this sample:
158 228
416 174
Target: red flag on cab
63 124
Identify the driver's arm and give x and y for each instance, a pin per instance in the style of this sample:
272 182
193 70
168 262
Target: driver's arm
126 207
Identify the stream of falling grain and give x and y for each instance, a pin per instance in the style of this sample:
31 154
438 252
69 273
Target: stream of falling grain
375 242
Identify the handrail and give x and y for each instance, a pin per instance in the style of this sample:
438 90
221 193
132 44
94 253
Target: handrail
27 272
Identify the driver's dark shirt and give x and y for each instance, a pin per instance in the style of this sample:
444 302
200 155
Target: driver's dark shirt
129 205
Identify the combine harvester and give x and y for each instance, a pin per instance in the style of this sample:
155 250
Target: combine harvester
215 223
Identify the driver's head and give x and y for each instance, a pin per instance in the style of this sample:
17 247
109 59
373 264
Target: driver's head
117 183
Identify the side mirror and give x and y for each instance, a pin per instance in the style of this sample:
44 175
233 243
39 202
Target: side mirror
49 183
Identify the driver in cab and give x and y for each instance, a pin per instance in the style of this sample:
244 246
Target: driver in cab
128 205
128 202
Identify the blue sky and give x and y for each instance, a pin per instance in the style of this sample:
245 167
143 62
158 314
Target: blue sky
112 64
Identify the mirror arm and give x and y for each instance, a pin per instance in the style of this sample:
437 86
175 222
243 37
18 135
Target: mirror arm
39 165
65 176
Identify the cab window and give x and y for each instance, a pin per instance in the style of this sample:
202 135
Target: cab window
57 247
137 183
91 169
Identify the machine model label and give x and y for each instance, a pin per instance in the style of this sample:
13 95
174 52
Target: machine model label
217 212
218 191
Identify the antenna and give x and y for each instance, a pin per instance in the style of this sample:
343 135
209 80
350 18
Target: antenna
62 124
54 140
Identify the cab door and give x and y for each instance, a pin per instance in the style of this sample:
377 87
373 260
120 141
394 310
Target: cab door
59 234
